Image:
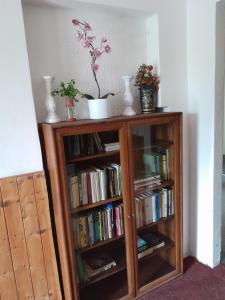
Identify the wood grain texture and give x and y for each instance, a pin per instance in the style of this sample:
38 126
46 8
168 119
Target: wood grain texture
8 288
26 270
46 236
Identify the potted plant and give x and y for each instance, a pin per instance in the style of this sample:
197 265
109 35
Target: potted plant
69 92
98 107
148 83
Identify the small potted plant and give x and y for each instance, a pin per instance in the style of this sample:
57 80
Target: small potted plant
69 92
148 83
98 107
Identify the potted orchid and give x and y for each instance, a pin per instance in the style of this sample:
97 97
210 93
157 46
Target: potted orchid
98 107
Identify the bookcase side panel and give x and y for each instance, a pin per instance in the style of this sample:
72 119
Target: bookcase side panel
127 210
56 191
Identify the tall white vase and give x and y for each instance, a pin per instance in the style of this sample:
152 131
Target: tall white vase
52 116
128 97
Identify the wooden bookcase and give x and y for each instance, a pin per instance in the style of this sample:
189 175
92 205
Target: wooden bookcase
112 227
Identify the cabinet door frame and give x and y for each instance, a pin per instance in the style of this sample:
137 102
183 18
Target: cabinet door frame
69 264
176 120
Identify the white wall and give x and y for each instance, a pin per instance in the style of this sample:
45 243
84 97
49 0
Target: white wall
52 50
205 91
19 143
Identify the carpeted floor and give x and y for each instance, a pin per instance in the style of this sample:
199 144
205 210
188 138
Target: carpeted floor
198 282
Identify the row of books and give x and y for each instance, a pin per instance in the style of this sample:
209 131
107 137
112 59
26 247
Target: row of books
99 225
148 242
158 161
93 264
85 144
152 206
93 184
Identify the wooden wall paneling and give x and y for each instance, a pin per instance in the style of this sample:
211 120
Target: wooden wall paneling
8 288
46 236
14 222
32 236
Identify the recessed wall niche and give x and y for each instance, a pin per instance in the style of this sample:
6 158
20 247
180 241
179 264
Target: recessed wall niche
54 50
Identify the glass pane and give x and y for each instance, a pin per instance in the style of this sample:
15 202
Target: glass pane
154 203
95 196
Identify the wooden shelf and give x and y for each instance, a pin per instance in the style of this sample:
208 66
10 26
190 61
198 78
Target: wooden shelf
159 267
163 184
115 287
164 144
121 265
93 205
100 243
160 221
93 156
169 244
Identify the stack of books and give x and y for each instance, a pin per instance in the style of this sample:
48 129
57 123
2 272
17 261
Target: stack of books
85 144
99 225
93 264
152 206
148 182
158 161
93 184
112 146
148 242
97 263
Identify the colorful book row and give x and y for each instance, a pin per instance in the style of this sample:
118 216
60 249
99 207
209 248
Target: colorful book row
93 184
99 225
152 206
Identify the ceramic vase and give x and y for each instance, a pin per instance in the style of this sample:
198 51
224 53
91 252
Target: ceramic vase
52 116
147 99
128 97
99 108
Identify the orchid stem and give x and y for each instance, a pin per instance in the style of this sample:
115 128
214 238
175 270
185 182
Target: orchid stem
95 77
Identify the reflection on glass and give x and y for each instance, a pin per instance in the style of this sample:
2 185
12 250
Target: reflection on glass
154 203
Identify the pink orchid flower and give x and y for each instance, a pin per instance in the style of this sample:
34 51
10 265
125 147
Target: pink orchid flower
75 22
94 67
86 44
107 48
87 27
97 52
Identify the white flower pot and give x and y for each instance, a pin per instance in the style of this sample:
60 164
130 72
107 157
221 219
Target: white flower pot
99 108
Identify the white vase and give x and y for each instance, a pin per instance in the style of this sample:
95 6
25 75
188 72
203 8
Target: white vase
99 108
128 97
52 116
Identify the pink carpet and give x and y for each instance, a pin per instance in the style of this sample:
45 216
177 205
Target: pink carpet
198 282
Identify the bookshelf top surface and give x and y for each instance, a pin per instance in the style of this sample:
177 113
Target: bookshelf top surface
110 120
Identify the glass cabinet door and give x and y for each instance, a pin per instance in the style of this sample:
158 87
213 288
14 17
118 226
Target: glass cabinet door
96 203
152 156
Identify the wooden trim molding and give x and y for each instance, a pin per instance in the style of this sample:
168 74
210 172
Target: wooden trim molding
28 267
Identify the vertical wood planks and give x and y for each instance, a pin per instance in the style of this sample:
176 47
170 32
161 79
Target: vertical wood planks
46 236
7 279
28 268
14 223
32 236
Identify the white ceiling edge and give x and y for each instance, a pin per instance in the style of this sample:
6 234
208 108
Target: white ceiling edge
73 4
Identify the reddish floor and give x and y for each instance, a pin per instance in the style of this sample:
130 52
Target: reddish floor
198 282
